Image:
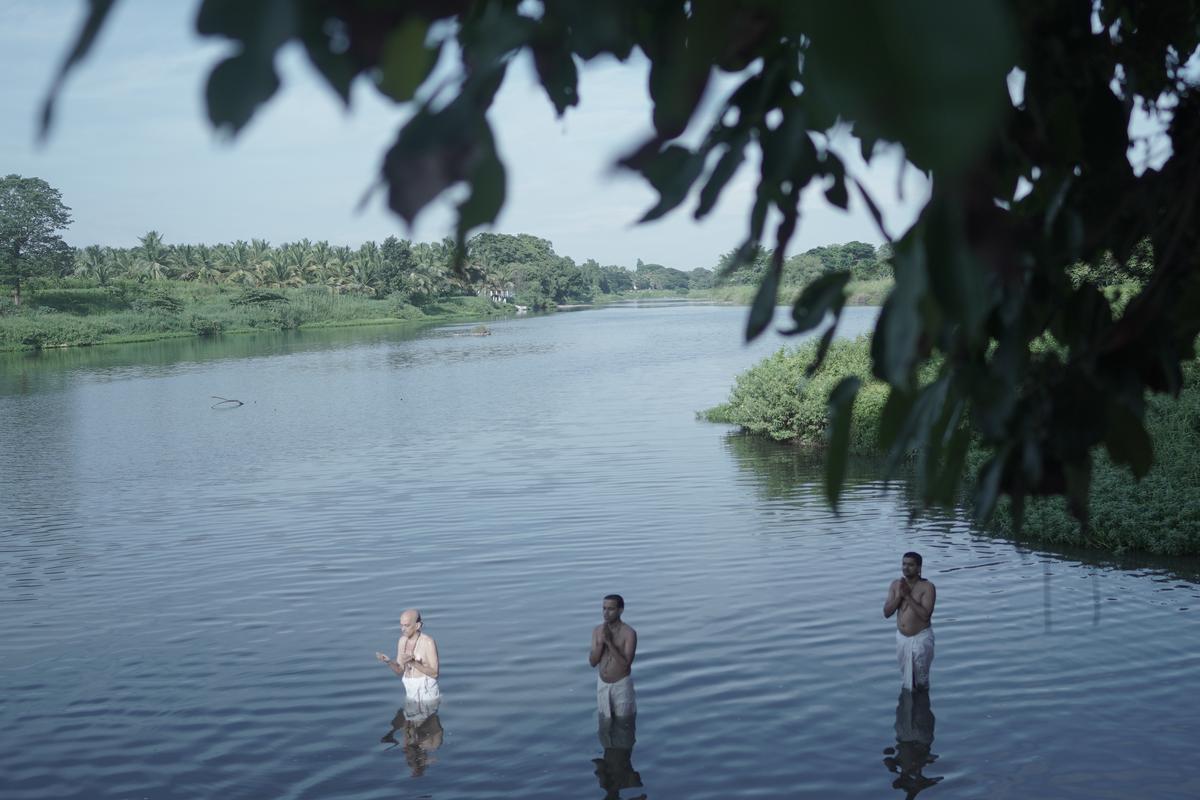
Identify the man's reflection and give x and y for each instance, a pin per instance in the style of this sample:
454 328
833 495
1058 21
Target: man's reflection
914 739
422 734
615 771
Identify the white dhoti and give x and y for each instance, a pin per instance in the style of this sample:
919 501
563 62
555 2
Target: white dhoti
915 654
616 699
422 696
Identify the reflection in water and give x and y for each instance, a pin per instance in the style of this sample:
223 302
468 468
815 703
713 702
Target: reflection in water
914 739
615 771
422 731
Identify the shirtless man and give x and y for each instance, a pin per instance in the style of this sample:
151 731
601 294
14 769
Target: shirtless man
613 646
914 597
416 662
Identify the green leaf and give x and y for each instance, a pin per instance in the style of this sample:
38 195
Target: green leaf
678 73
337 69
1127 441
894 345
841 410
488 186
239 84
559 76
944 489
929 75
921 419
822 349
896 409
1079 484
437 149
725 169
671 171
236 88
405 61
988 490
260 26
763 309
826 293
97 14
837 193
956 278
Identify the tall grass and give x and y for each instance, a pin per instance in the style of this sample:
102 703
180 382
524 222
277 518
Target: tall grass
83 315
859 293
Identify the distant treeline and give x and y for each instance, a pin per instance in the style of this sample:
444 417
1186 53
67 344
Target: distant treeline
519 268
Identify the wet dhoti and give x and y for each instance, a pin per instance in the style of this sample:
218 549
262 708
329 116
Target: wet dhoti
616 699
915 654
422 696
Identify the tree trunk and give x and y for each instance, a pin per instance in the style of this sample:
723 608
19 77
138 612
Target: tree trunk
17 293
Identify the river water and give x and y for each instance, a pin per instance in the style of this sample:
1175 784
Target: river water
191 597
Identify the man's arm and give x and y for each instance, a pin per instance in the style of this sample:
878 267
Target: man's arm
628 648
923 606
392 665
598 645
893 599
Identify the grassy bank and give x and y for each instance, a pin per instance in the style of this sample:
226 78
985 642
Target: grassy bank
79 314
1159 514
861 293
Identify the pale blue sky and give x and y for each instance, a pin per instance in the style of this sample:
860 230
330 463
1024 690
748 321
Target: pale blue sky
132 151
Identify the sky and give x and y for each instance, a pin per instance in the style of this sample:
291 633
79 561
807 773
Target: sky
132 151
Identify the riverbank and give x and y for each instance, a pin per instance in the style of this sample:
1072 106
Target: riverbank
132 312
1159 514
860 293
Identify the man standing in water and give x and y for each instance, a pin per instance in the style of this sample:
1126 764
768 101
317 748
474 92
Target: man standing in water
914 597
416 661
613 646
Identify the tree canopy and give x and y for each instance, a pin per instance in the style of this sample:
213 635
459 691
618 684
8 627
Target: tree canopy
31 215
1020 112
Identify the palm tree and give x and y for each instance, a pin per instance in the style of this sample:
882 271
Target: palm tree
238 267
93 262
363 271
184 261
124 262
151 257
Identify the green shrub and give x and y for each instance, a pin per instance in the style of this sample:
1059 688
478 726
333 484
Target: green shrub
79 300
775 397
158 301
1158 514
203 326
257 297
399 307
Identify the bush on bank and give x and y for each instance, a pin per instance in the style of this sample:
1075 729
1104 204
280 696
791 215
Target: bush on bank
775 398
75 313
1159 514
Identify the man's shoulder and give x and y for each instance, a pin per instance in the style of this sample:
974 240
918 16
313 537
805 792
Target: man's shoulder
628 628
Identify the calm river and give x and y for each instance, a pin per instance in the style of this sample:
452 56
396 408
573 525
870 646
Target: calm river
191 597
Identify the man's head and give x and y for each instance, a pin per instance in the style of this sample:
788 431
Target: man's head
612 607
410 622
910 565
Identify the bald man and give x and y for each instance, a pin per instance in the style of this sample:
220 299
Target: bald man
416 661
